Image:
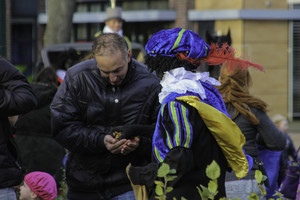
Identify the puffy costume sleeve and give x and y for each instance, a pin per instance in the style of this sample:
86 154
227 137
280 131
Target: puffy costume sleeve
176 139
172 130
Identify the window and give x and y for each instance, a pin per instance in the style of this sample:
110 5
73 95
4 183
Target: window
296 66
296 69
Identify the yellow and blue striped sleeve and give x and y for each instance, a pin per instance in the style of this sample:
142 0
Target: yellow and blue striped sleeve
178 129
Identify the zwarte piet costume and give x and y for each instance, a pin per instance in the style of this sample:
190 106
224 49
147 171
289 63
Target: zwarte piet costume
193 128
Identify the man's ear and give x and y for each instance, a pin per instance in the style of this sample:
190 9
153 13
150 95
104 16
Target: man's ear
129 55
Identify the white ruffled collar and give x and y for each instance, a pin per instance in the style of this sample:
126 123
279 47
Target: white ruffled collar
180 81
109 30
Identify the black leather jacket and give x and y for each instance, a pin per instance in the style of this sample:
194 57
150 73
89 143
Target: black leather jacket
84 110
16 97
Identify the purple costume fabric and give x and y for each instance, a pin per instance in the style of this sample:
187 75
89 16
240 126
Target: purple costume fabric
213 98
168 43
271 160
172 41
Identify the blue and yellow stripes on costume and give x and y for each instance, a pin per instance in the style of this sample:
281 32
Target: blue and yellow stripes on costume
187 127
175 119
178 39
157 155
228 136
169 143
182 134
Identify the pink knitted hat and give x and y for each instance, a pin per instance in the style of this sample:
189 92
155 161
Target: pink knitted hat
42 184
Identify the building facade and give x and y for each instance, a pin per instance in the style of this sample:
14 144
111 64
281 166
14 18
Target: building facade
268 31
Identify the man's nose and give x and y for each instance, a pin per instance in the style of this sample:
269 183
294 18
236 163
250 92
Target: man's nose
113 77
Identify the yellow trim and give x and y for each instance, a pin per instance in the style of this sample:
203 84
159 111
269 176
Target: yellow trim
178 39
225 131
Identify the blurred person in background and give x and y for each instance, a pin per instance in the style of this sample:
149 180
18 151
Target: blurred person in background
38 186
39 151
289 150
249 113
16 98
64 61
114 22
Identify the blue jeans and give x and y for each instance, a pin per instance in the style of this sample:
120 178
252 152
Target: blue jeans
8 194
125 196
242 189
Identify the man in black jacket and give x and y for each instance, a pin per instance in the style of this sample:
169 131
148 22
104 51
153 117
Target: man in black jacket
16 97
107 93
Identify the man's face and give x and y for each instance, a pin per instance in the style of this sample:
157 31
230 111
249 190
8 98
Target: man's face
114 24
113 67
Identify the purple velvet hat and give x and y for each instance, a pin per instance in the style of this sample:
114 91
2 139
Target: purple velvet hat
169 42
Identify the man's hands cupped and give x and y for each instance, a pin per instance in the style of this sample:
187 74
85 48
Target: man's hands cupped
123 146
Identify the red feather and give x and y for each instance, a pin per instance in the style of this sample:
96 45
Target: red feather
226 54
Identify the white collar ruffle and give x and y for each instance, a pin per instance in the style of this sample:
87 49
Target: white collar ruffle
180 81
109 30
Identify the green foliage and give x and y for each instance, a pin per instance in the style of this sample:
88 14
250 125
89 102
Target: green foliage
259 177
213 172
23 68
161 188
278 195
62 191
253 196
63 188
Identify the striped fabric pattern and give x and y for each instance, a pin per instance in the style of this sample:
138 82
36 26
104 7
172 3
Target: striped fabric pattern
183 132
178 39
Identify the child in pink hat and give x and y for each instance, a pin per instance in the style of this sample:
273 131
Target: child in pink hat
38 186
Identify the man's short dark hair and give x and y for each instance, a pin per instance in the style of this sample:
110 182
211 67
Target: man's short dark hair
109 44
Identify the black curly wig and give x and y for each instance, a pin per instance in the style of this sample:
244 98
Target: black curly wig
161 64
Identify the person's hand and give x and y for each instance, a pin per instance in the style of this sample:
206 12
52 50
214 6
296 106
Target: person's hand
130 145
112 145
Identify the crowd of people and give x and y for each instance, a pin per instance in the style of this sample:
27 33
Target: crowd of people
112 122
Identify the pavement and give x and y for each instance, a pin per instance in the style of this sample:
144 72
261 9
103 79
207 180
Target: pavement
294 132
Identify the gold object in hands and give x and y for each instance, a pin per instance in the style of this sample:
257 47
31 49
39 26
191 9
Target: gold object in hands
117 135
